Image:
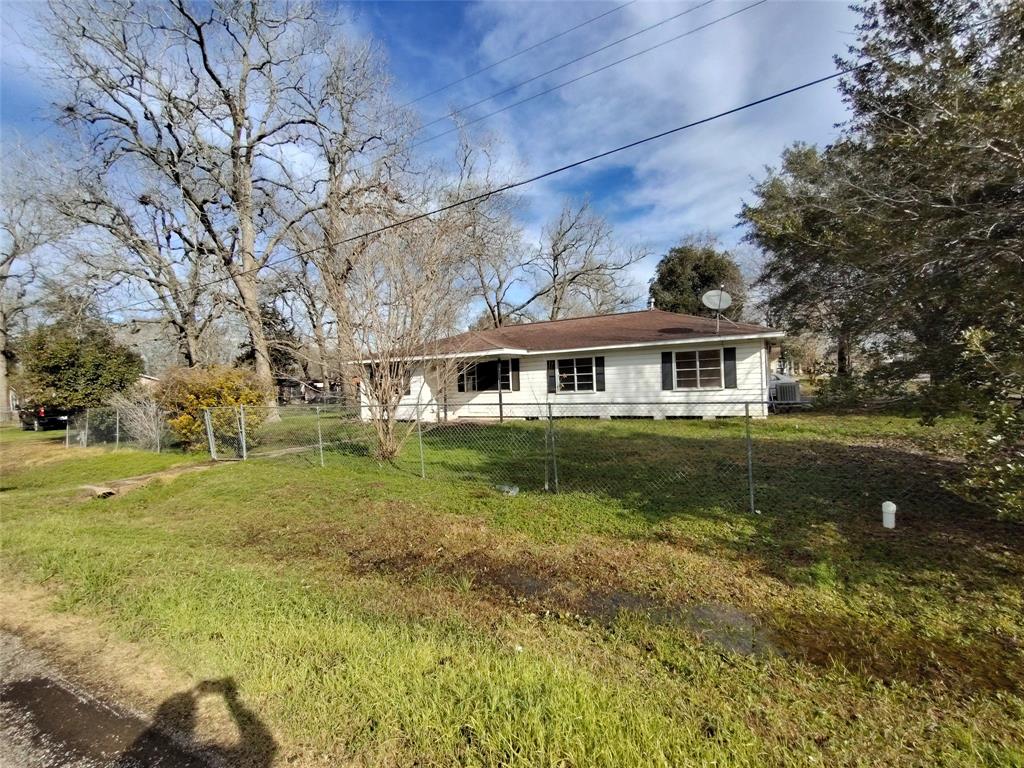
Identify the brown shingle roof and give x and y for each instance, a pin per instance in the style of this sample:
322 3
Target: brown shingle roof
644 326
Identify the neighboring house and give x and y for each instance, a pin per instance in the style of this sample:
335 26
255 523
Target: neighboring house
649 364
292 391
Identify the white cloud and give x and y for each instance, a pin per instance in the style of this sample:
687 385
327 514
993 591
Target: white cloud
689 182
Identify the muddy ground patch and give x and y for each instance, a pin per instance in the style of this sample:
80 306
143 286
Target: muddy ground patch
589 583
728 603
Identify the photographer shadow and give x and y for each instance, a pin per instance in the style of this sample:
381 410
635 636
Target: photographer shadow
178 714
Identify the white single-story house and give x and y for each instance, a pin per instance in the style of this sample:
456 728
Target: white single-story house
644 364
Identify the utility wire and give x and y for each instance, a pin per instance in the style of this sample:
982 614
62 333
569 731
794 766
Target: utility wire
511 56
576 79
569 63
565 83
530 180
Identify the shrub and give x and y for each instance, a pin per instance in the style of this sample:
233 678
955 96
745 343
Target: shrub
142 422
995 461
65 367
993 374
186 392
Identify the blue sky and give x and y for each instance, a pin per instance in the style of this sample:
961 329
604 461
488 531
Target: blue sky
654 195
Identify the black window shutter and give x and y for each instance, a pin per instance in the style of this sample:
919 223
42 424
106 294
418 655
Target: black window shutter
552 380
462 381
729 367
514 362
599 374
667 374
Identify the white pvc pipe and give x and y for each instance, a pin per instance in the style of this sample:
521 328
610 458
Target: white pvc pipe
888 514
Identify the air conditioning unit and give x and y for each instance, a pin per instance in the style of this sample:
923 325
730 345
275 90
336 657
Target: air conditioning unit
787 392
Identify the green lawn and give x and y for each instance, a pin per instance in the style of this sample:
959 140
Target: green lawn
642 616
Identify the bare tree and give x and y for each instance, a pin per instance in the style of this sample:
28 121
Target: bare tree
26 226
361 138
302 296
578 265
493 239
147 239
407 296
602 294
210 98
576 269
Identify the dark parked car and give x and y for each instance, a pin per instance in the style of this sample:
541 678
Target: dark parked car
43 418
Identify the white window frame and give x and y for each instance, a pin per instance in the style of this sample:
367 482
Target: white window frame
675 370
575 376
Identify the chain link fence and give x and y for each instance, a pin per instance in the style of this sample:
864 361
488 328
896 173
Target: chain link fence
656 457
312 431
660 458
142 428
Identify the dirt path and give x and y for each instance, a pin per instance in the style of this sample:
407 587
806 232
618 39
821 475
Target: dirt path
113 487
48 722
72 695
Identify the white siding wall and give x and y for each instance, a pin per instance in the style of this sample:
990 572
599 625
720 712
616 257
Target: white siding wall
632 383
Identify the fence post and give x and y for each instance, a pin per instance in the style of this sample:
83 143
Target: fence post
85 435
67 433
209 434
319 436
117 428
554 453
241 431
750 459
419 435
547 464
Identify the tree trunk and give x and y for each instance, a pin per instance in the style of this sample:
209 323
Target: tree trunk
320 341
5 322
188 343
247 291
5 389
244 274
843 366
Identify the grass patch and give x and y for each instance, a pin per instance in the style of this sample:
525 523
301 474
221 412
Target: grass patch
377 618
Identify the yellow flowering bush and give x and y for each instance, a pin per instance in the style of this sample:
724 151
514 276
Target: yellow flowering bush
185 393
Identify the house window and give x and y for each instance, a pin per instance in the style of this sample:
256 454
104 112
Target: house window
699 369
399 379
488 375
576 374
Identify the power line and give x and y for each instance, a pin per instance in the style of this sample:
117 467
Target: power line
576 79
565 83
511 56
530 180
457 110
569 63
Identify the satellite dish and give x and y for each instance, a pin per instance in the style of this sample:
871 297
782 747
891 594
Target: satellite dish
717 300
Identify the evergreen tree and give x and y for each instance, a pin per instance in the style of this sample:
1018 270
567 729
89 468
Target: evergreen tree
70 366
694 267
908 231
